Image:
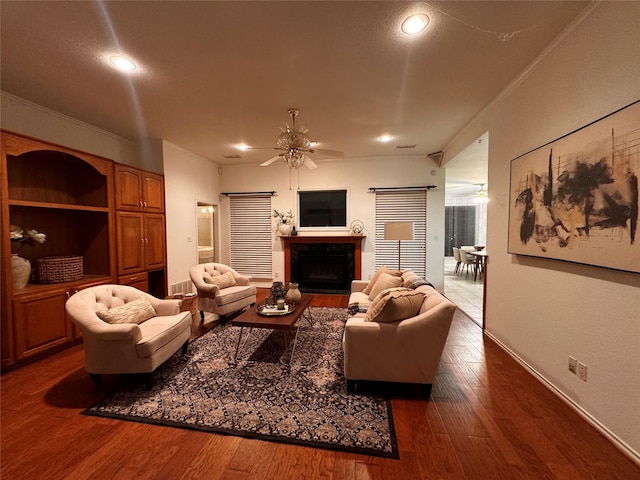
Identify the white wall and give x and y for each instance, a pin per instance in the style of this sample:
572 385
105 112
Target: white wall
358 175
545 310
188 179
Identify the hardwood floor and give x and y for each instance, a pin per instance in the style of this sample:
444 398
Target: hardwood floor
487 418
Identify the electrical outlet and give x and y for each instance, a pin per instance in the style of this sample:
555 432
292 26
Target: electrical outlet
582 371
573 365
188 238
276 274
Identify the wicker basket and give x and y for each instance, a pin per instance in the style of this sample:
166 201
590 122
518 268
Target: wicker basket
59 269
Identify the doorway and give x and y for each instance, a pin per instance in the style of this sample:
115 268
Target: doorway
466 223
459 227
205 214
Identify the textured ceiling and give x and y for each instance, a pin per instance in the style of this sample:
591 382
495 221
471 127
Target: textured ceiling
216 74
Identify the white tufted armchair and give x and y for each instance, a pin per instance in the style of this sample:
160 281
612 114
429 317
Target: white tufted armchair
127 347
221 290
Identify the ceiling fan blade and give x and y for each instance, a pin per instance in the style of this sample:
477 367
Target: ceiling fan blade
270 161
310 164
328 153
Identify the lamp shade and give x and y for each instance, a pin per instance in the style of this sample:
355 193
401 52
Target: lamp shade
398 231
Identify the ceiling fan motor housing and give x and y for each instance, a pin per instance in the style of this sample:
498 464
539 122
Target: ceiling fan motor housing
293 140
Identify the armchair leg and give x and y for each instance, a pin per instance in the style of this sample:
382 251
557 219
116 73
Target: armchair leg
201 315
185 347
96 378
351 386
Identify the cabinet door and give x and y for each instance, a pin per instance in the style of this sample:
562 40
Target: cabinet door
154 241
153 193
128 187
131 243
41 323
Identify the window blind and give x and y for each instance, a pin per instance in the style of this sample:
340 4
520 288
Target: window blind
251 235
402 206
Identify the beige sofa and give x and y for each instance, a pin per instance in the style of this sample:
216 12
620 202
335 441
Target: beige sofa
128 347
221 290
407 350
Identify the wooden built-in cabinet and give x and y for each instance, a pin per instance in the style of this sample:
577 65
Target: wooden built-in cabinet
140 223
110 214
141 242
138 190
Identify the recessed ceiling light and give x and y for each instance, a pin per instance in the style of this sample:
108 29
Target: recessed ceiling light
415 24
243 147
122 63
385 138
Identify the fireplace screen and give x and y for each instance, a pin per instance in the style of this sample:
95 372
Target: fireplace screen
322 267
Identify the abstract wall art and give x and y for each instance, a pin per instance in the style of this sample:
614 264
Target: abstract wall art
576 198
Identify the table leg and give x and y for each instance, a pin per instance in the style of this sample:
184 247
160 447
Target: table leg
307 316
238 348
293 348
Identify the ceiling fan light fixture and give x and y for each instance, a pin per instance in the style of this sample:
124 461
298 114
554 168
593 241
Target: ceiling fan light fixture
415 23
482 196
293 159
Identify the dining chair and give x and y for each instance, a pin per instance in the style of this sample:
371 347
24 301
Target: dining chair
456 257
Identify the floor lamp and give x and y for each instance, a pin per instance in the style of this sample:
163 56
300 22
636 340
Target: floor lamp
398 231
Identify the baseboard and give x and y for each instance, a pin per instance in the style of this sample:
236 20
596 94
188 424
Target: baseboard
613 438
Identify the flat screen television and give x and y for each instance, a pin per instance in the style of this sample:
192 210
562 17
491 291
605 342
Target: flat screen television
322 208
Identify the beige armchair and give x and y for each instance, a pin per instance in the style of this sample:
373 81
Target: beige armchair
406 351
126 346
221 290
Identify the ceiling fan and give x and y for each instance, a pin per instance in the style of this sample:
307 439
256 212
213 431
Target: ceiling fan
296 146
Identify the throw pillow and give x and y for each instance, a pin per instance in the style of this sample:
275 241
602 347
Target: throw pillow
378 302
374 279
411 280
137 311
384 282
225 280
396 306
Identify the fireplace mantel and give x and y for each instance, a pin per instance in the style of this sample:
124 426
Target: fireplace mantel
355 240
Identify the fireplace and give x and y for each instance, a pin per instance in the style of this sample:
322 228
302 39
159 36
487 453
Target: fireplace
323 264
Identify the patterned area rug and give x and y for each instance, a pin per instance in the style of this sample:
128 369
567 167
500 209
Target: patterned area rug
262 397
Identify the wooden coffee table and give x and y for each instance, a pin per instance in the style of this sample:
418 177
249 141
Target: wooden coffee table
251 319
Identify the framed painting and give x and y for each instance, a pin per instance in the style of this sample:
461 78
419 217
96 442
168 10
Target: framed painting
576 198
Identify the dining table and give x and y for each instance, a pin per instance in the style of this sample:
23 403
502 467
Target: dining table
480 256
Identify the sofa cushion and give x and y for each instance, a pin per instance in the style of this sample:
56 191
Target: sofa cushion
384 282
395 305
136 311
234 294
374 279
225 280
160 331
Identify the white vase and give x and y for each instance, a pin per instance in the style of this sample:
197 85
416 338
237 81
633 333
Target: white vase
284 229
293 294
20 270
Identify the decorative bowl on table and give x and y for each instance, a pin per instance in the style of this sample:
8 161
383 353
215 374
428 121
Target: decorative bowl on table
479 247
273 311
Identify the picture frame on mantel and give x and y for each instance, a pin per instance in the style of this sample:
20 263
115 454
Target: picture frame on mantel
576 198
